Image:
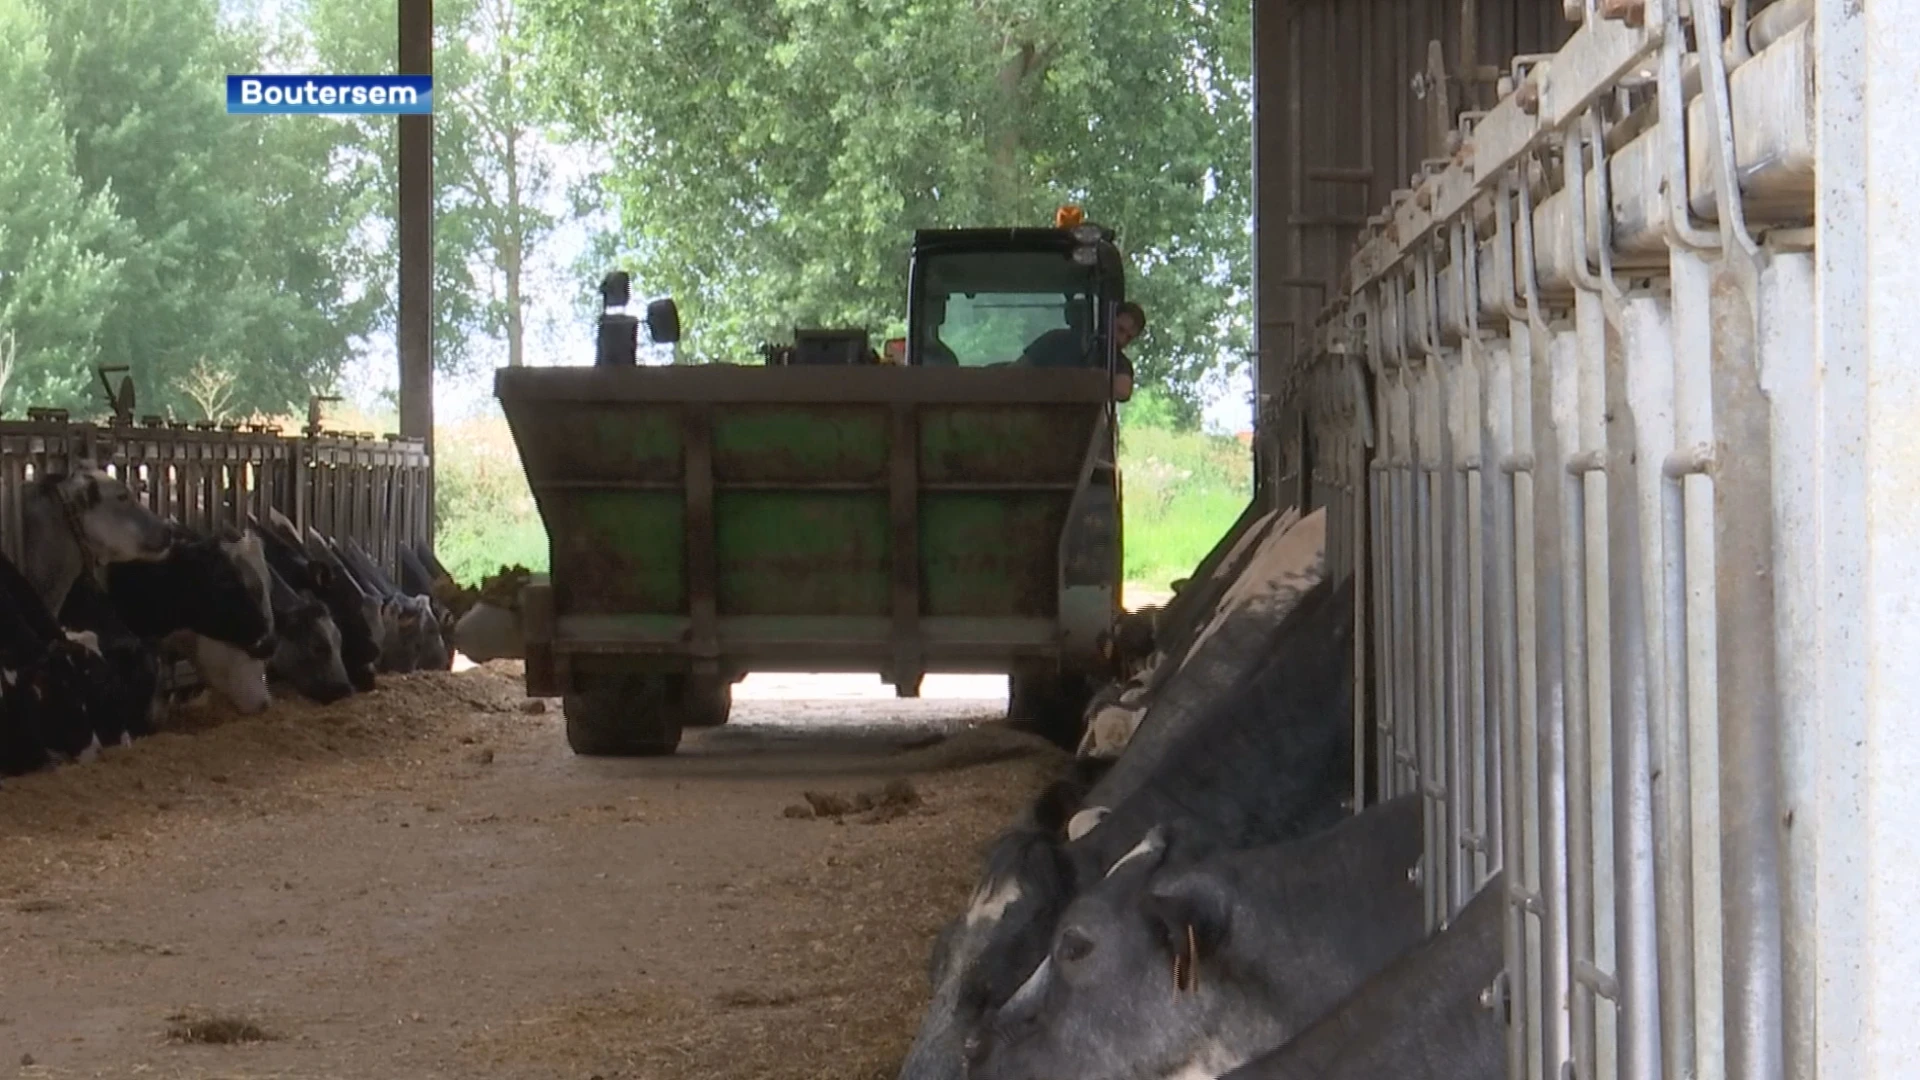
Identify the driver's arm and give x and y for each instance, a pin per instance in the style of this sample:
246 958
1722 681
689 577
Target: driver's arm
1123 378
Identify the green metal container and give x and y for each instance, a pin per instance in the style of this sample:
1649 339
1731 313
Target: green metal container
711 520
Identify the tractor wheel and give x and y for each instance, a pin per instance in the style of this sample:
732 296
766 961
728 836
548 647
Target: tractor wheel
708 702
625 716
1049 704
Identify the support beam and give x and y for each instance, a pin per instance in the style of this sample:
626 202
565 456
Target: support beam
1273 306
414 223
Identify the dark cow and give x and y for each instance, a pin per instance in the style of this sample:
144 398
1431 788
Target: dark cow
133 665
209 600
1129 644
1433 1014
1271 761
308 654
1255 614
1183 963
204 584
417 579
54 682
419 623
398 621
359 651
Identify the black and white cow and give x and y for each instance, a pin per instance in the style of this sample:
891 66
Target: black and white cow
57 690
1436 1013
421 642
1271 761
1227 645
421 575
397 620
209 601
308 653
138 704
346 606
1188 961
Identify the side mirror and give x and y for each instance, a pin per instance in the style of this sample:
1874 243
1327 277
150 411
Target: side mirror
663 321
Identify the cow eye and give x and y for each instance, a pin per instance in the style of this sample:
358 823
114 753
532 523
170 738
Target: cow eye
1074 945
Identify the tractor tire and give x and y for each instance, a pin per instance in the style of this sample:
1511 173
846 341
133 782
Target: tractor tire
1052 705
625 716
708 703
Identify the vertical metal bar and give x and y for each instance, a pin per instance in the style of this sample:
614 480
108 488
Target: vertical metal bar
1790 369
1406 678
1475 528
1562 658
1501 395
1643 382
1693 352
1542 1021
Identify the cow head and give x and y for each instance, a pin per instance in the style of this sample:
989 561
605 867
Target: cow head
1131 987
1192 956
307 653
231 674
103 514
62 693
243 550
981 956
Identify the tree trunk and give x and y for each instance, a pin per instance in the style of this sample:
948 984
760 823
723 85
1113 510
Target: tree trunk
1027 63
512 251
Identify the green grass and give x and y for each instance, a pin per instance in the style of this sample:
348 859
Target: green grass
1182 489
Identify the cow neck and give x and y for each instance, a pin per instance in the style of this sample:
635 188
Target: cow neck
90 561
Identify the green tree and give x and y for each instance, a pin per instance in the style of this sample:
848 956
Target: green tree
771 158
56 241
233 237
492 167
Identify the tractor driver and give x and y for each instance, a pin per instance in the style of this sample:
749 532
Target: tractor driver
1060 348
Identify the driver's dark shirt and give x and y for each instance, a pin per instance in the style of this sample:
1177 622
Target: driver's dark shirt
1061 348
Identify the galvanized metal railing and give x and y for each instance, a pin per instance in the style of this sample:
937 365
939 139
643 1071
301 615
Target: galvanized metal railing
1562 411
207 476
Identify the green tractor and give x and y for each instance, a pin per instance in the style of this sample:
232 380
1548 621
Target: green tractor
949 505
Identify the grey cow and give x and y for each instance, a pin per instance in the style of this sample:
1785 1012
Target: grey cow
1434 1014
1177 966
307 645
1270 762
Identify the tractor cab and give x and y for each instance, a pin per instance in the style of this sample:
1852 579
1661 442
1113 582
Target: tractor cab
986 297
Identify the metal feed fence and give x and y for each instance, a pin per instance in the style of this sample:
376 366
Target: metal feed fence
371 489
1592 410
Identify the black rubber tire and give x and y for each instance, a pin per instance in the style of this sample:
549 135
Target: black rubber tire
1051 705
708 703
625 716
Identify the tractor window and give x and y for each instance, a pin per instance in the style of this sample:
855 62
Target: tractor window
987 307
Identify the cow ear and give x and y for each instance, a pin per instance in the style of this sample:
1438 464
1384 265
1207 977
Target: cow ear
1056 805
1192 913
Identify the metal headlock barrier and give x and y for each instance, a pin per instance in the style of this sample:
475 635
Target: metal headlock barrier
1581 412
206 476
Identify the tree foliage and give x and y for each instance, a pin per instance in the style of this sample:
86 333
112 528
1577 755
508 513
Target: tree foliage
491 168
57 244
771 158
230 236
